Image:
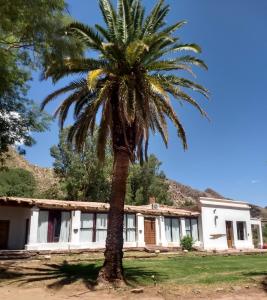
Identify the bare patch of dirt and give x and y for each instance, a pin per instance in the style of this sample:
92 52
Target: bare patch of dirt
79 291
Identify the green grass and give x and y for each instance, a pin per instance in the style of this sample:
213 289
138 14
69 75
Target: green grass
177 270
197 269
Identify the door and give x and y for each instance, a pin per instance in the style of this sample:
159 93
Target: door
4 232
229 233
150 231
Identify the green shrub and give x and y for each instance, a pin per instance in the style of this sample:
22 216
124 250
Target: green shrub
16 182
187 243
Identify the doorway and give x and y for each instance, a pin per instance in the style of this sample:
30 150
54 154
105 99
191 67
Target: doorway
4 233
229 234
150 231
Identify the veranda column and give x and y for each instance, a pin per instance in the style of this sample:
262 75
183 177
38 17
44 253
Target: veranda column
140 235
260 234
183 231
33 230
75 229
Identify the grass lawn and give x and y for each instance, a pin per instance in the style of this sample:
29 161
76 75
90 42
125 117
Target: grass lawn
187 269
197 269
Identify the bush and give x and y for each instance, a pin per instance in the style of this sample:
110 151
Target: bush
187 243
16 182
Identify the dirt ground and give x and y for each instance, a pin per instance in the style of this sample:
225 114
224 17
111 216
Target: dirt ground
25 280
80 292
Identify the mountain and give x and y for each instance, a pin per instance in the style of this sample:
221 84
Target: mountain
45 177
184 196
181 195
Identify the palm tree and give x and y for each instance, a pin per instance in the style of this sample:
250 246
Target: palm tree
133 71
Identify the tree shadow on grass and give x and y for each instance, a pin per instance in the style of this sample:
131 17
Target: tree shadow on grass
65 274
262 275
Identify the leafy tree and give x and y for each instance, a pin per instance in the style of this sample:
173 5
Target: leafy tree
145 181
18 119
83 177
130 81
31 33
16 182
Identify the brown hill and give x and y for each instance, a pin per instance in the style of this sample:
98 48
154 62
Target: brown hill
181 195
184 196
45 177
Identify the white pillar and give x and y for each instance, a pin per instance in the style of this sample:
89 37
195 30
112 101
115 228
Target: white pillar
33 230
163 240
260 234
140 236
75 228
183 231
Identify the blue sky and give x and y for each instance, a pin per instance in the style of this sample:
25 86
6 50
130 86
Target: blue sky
229 153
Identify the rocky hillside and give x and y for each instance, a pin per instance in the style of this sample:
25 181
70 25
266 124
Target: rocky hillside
181 195
45 177
184 196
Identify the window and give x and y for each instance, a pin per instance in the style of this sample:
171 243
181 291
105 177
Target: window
129 228
87 228
188 227
194 229
172 229
65 227
101 227
54 224
241 230
191 228
42 227
93 227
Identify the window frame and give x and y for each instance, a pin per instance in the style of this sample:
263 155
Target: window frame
244 230
94 224
93 228
126 228
99 229
179 226
191 227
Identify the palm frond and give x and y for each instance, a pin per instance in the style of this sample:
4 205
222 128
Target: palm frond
110 18
86 34
71 86
92 78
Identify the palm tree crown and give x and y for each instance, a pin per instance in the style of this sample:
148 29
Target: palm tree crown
131 79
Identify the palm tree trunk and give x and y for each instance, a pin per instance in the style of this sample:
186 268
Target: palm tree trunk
112 270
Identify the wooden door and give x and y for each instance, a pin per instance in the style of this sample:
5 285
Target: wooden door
229 233
4 232
150 231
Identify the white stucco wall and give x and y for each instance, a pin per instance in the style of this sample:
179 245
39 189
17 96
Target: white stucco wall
223 214
17 228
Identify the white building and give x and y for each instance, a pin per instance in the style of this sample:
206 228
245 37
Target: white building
227 224
35 224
